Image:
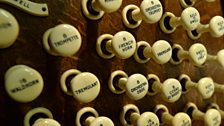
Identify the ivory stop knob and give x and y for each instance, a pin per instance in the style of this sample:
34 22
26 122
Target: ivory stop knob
205 86
23 83
197 54
62 40
40 121
135 86
211 117
137 119
215 28
179 119
161 52
95 9
121 45
92 120
9 29
170 89
85 86
219 58
189 19
149 11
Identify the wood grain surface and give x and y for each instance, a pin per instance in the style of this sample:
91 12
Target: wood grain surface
28 50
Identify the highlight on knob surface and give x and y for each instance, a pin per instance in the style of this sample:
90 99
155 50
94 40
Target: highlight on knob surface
95 9
189 19
150 11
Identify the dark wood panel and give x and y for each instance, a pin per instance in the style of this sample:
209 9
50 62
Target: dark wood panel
28 50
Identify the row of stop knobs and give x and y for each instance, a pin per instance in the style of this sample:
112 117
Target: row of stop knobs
65 40
130 116
150 11
25 84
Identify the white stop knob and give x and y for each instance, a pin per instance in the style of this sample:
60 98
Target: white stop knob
23 83
189 19
92 120
95 9
161 52
170 89
40 121
62 40
85 86
149 11
9 29
135 86
122 45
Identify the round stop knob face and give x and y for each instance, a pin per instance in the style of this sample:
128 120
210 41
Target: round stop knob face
162 51
216 25
148 119
124 44
212 117
181 119
198 54
46 122
102 121
23 83
190 18
65 40
109 5
206 87
220 57
137 86
151 10
171 90
9 29
85 87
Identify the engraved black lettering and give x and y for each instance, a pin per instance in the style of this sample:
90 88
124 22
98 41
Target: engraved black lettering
24 85
186 123
66 40
175 91
216 120
5 25
164 52
200 54
109 1
153 9
125 46
86 88
140 88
